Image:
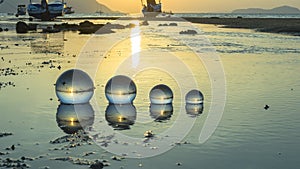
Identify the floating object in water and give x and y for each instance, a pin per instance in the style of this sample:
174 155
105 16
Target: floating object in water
120 116
149 134
161 112
194 109
161 94
120 90
194 97
74 87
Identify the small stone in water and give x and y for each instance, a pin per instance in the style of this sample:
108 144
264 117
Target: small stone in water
149 134
97 165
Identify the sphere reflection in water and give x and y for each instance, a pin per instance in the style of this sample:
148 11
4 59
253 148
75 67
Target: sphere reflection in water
194 109
161 112
74 87
72 118
120 116
194 97
161 94
120 90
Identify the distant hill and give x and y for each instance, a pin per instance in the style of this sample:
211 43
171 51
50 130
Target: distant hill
278 10
80 6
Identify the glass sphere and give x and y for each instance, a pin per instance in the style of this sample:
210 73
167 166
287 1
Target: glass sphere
161 94
120 90
74 87
72 118
161 112
120 116
194 109
194 97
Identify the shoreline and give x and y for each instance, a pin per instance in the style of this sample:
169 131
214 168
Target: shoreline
288 26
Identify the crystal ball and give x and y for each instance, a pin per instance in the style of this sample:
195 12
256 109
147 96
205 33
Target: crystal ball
161 112
194 97
120 90
120 116
161 94
74 87
72 118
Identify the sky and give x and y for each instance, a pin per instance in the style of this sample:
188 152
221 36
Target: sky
201 6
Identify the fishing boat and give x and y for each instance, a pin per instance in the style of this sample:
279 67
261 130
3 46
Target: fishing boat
68 9
21 10
46 11
151 9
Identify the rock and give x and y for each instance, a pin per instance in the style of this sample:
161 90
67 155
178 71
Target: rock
173 24
266 107
21 27
189 32
149 134
1 30
32 27
97 165
6 29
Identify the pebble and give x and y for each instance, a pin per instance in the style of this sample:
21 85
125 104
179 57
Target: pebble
266 107
97 165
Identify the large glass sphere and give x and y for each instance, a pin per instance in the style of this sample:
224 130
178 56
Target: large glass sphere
194 109
161 94
161 112
194 97
120 116
120 90
72 118
74 87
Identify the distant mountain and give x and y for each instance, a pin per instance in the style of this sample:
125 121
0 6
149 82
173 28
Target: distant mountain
80 6
278 10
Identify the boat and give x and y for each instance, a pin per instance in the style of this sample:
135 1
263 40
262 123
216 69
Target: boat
21 10
151 9
68 9
46 11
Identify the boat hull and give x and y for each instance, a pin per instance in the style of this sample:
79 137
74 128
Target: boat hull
52 11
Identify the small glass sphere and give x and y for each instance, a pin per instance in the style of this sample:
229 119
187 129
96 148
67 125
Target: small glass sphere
74 87
120 116
72 118
161 94
120 90
161 112
194 109
194 97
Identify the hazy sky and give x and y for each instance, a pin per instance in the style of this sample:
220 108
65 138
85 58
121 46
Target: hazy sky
134 6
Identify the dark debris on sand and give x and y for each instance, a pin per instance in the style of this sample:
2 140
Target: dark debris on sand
5 134
74 140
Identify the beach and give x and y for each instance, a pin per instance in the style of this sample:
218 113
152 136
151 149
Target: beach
260 64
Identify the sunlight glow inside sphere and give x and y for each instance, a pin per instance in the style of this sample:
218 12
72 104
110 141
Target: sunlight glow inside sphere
74 87
194 97
161 94
120 90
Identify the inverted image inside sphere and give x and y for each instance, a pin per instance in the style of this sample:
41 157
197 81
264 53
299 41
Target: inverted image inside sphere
194 97
74 87
120 90
161 94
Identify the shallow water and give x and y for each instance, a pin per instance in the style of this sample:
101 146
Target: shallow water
260 69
